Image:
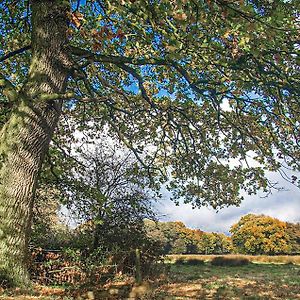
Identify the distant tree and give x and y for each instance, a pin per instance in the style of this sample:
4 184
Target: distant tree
293 231
154 232
176 238
172 231
193 236
260 234
169 234
105 187
223 244
214 243
179 246
227 243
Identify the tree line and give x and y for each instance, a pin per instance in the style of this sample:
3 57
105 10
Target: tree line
128 230
252 234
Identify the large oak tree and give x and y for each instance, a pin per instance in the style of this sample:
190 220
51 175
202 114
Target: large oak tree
186 85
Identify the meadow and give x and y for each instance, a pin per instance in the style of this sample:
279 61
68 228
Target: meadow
265 277
192 277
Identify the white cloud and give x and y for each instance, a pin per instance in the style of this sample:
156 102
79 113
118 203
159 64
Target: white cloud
284 205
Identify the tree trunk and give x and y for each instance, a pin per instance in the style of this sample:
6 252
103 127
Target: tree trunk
25 138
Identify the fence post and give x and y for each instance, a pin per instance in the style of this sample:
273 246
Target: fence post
138 273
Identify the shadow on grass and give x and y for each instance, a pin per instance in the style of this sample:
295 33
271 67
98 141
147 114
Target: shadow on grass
229 262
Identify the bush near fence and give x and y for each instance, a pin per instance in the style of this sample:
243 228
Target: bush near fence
73 267
54 267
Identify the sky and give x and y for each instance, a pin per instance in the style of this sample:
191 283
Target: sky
284 205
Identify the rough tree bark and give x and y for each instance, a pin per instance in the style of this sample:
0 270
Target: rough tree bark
26 136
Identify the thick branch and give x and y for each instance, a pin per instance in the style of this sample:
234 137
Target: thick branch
117 59
56 96
13 53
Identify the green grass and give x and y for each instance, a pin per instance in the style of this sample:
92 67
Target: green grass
252 281
264 272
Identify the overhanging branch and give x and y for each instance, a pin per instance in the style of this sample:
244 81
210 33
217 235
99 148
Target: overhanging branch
116 59
135 74
124 62
13 53
72 96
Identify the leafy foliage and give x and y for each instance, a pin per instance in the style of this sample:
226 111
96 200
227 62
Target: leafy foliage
176 238
259 234
293 231
253 234
160 75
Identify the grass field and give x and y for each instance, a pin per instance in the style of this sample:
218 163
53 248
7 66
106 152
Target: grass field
252 281
189 280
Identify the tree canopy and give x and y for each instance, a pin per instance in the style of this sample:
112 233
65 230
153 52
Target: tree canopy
259 234
186 85
176 238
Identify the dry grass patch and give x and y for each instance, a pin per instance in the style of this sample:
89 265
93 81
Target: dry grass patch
279 259
185 290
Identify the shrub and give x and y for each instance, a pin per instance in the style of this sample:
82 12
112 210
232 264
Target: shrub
56 268
180 261
190 262
232 262
195 262
5 281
